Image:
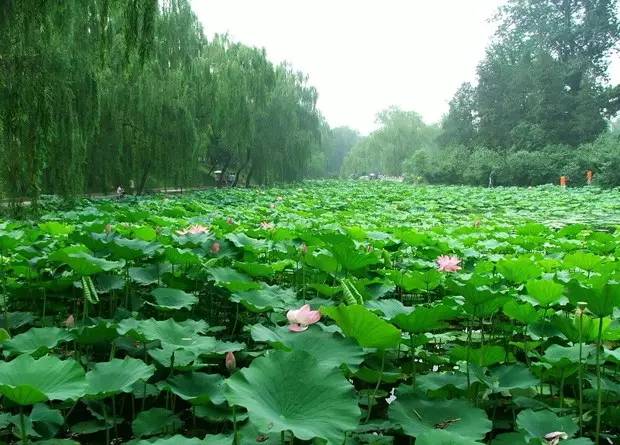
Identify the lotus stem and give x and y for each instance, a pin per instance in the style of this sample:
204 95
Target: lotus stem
371 399
580 375
22 422
599 392
107 425
412 354
562 390
235 434
114 416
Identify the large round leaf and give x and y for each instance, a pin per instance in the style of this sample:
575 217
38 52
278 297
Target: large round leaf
418 416
197 387
108 378
37 341
539 423
27 381
266 298
331 350
545 292
290 391
167 298
443 437
425 319
174 440
367 328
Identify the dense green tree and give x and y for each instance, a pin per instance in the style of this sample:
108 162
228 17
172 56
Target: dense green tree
98 93
543 80
399 136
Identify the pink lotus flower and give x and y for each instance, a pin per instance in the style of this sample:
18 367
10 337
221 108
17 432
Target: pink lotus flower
69 322
230 361
555 437
194 230
447 263
273 206
215 248
229 220
267 225
301 318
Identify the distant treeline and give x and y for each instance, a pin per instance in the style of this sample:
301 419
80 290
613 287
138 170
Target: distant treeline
100 93
542 107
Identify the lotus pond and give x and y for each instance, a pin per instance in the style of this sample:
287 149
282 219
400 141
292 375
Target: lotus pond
318 313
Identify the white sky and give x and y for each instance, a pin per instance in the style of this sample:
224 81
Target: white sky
366 55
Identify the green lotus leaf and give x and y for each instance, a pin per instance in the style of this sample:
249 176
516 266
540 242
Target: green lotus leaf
197 387
167 298
539 423
243 241
183 257
116 375
508 377
389 307
149 274
583 260
85 264
102 332
601 301
331 350
155 421
368 329
443 437
174 440
130 249
523 312
418 416
437 380
564 356
46 422
56 228
21 379
231 279
265 298
37 341
290 392
425 319
255 269
518 270
145 233
180 335
545 292
486 355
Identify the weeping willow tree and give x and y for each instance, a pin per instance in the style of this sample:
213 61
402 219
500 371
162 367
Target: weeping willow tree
50 53
96 93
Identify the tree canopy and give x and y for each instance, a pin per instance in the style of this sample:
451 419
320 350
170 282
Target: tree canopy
98 93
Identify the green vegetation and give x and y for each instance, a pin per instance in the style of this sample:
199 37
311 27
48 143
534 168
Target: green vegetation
95 93
451 315
540 108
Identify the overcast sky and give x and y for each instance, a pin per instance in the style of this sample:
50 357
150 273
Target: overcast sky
366 55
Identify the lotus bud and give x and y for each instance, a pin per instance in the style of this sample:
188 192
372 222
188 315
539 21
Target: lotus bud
555 437
108 228
231 362
229 220
215 248
69 322
303 248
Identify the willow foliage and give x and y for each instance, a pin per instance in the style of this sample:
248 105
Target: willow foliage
98 93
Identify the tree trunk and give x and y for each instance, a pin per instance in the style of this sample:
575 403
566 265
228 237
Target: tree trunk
145 176
249 176
223 174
